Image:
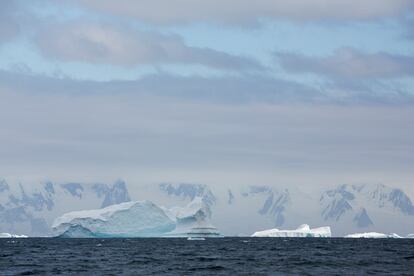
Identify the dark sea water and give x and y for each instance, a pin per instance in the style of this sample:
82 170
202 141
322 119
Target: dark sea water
227 256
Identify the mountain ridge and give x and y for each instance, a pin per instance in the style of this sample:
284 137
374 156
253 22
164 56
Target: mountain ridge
30 208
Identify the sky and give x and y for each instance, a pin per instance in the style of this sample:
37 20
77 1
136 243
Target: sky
300 92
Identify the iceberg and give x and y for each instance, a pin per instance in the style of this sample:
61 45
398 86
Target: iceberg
138 219
410 236
303 231
373 235
193 221
7 235
130 219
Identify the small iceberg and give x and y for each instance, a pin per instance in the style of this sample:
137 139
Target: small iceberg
195 239
11 236
373 235
410 236
303 231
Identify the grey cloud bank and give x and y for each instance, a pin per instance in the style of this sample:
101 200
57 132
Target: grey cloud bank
350 63
108 44
9 26
248 88
62 125
231 11
341 116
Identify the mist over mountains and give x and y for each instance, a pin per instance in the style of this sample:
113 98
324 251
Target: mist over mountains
242 210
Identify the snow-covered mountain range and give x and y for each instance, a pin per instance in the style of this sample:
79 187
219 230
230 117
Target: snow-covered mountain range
236 210
31 208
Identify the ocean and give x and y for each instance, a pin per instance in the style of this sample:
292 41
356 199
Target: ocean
221 256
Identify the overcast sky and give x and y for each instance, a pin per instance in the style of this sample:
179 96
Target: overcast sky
255 92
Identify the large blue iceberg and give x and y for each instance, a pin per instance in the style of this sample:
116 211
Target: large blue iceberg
138 219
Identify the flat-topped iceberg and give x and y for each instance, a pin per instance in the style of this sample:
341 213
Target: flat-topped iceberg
130 219
137 219
7 235
303 231
373 235
410 236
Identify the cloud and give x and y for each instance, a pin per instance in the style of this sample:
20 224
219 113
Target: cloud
108 44
350 63
242 89
408 25
9 27
79 127
236 11
225 89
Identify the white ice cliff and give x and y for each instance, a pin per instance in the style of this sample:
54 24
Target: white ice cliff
130 219
137 219
7 235
373 235
302 231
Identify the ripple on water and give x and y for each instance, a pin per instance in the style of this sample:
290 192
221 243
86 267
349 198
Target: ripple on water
213 256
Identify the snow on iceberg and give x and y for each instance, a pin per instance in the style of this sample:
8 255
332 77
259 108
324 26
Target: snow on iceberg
373 235
7 235
130 219
138 219
302 231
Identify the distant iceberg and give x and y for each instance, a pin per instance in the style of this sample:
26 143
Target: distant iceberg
7 235
137 219
373 235
410 236
302 231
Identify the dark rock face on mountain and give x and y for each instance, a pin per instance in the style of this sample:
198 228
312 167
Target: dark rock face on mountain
275 204
355 200
190 191
362 219
115 194
337 203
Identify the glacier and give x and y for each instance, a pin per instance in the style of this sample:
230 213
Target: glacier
138 219
373 235
303 231
8 235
